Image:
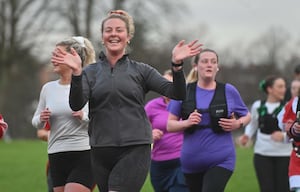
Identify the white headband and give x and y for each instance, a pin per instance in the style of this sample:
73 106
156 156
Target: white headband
80 40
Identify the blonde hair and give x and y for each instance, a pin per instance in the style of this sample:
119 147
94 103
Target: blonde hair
193 74
168 72
84 49
124 16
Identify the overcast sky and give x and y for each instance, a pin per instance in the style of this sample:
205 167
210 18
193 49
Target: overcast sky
233 20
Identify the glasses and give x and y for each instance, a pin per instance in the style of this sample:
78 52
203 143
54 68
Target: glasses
117 12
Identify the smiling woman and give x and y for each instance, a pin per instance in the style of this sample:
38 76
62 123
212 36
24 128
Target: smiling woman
68 143
116 33
115 87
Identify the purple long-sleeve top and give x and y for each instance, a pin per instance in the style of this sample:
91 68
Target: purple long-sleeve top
204 149
169 146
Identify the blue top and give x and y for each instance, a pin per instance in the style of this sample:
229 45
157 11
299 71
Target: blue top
204 149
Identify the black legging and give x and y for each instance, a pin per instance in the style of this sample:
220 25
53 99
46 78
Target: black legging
121 168
213 180
272 173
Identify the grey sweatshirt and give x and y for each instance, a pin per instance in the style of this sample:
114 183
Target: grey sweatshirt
116 99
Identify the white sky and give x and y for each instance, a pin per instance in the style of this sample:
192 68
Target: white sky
245 20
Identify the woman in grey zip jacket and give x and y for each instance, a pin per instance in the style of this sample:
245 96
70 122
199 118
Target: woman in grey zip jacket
115 87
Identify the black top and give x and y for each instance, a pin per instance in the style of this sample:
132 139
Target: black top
116 99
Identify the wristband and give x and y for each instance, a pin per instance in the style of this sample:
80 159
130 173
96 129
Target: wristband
177 65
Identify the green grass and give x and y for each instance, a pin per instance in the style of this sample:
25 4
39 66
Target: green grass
22 168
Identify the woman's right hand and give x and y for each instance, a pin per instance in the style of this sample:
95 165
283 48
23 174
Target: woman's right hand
288 125
45 115
72 59
194 119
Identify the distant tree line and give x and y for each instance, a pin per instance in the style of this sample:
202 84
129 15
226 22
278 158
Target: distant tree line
29 27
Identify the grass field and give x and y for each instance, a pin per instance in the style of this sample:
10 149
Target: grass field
22 168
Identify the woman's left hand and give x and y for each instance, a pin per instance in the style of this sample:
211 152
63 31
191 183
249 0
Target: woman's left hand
182 51
229 124
78 114
277 136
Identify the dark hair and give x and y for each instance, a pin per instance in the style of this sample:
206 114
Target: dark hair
268 82
197 57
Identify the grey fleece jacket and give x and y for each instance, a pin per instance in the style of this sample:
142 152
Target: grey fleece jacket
116 99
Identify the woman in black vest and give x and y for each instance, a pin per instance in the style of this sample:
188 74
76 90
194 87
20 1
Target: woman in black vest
271 153
210 112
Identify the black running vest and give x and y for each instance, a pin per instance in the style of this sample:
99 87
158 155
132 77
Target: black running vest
268 123
217 107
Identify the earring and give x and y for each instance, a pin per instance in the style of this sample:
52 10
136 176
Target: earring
102 42
128 42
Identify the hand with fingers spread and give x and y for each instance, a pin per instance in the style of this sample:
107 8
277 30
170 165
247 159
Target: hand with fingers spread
71 59
182 51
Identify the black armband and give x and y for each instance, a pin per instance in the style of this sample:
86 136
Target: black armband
177 65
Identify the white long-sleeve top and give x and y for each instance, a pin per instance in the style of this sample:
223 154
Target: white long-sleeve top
67 133
264 144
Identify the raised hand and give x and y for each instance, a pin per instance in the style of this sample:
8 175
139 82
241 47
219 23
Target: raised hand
182 51
72 59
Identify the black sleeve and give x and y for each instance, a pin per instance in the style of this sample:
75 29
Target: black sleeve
156 82
179 85
76 98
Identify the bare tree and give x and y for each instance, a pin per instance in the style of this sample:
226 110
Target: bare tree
29 27
19 22
268 48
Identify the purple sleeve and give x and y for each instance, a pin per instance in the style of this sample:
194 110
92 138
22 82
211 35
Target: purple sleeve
234 101
148 109
174 107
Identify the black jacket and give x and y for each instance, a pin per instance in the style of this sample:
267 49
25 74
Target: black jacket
116 99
